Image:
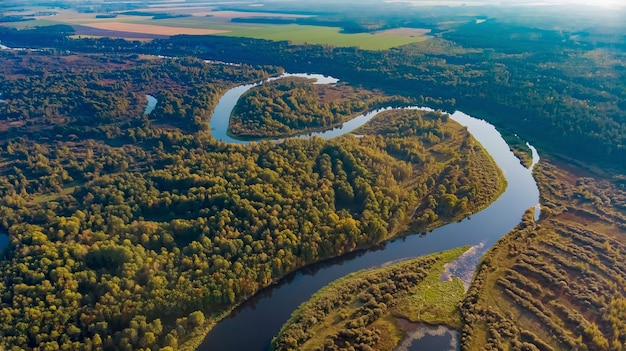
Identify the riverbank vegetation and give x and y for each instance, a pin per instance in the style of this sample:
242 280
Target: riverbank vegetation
475 179
520 149
360 310
292 106
557 284
130 231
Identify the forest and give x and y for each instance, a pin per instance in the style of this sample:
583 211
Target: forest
130 231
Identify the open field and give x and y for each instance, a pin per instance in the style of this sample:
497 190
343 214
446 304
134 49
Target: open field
299 34
323 35
203 20
404 32
29 24
92 32
236 14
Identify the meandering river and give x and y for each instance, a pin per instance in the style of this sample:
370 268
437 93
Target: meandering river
221 115
252 325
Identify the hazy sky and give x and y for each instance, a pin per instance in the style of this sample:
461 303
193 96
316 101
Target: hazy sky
605 3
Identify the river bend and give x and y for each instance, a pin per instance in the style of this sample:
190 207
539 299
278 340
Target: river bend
252 325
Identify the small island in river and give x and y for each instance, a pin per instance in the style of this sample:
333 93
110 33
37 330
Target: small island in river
294 105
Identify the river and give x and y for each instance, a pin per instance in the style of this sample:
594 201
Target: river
420 336
150 105
252 325
4 240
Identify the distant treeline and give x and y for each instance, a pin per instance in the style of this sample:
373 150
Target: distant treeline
154 15
51 36
111 15
15 18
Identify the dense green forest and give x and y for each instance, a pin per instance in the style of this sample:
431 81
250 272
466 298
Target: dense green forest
130 231
291 106
360 310
558 284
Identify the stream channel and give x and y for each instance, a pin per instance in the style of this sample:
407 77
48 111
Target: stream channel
252 325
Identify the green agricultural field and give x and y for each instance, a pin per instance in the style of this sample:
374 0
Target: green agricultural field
324 35
297 34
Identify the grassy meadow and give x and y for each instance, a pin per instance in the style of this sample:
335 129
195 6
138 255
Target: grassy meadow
298 34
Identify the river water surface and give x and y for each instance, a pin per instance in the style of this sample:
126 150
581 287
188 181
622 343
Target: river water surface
4 240
150 105
421 336
252 326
